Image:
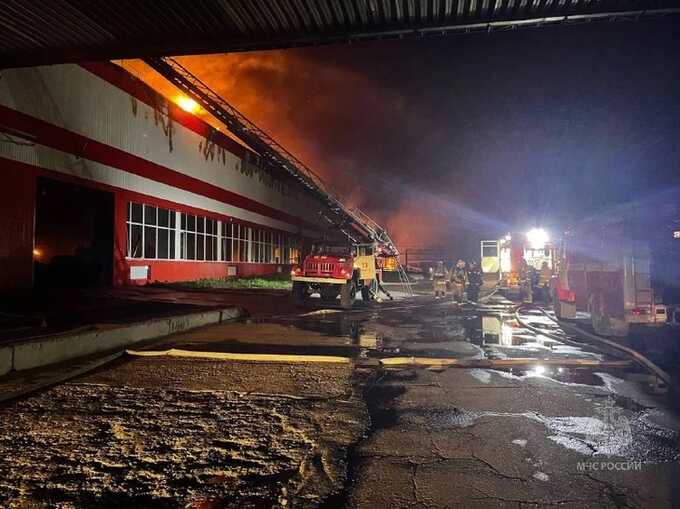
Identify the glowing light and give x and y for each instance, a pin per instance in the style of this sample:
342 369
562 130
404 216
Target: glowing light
37 253
676 234
508 237
187 104
538 371
538 238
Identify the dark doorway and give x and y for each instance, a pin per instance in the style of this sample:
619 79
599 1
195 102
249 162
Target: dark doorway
73 236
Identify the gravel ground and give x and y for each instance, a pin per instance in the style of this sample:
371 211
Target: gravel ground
121 438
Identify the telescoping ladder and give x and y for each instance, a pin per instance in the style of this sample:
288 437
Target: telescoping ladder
351 222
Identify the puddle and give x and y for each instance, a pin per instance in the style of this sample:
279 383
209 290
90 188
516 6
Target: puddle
569 376
501 336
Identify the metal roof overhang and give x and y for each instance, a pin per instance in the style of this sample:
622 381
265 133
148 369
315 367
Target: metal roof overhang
58 31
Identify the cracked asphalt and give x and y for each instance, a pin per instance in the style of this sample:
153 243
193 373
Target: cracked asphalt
204 433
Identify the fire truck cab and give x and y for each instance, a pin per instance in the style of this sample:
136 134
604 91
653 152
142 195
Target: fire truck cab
333 271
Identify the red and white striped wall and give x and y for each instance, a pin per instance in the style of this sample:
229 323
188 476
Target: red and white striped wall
98 126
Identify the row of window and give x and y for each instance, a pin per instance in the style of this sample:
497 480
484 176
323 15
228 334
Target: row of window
157 233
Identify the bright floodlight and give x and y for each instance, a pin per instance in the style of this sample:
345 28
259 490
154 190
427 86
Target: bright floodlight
537 237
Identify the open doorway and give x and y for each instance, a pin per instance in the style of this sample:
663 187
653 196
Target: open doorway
73 236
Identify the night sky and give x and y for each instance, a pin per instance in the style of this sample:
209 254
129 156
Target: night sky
450 140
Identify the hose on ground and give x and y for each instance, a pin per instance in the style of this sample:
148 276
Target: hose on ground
621 350
561 339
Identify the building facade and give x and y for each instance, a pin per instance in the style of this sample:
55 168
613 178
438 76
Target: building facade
104 181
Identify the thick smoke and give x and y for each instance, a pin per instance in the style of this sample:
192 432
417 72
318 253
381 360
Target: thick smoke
444 140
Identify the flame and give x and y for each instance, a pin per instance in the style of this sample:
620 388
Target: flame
187 104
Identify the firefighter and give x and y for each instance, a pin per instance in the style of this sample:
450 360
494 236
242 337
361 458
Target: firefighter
544 277
378 281
459 280
439 278
474 281
525 282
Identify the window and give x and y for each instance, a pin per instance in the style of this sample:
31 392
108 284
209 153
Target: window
187 237
151 232
236 241
277 248
211 240
244 244
226 239
198 238
267 246
258 248
490 251
293 253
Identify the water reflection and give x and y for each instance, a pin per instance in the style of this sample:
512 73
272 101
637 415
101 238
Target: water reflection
496 331
581 376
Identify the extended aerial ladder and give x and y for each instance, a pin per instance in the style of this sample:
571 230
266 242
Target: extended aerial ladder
356 225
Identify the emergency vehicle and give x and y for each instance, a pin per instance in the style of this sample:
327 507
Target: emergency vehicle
605 270
337 271
504 262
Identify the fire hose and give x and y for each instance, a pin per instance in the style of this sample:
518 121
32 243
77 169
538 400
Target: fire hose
614 348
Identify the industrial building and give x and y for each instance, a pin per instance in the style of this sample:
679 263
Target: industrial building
106 182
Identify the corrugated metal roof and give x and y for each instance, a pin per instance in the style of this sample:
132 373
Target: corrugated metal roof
55 31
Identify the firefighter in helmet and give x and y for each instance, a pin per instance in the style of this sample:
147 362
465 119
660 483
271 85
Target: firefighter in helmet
474 281
526 277
459 281
544 279
439 279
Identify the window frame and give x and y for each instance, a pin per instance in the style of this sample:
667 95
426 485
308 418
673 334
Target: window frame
152 226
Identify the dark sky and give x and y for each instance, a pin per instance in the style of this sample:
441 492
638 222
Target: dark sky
453 139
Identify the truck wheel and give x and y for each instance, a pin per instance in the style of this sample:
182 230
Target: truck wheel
299 292
329 292
366 295
347 294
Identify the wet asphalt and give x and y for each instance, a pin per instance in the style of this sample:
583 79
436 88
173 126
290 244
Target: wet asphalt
187 432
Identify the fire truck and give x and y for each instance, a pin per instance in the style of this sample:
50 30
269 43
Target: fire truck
605 270
505 261
600 268
334 271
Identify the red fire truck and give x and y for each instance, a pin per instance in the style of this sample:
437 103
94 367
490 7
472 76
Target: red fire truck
333 271
604 269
